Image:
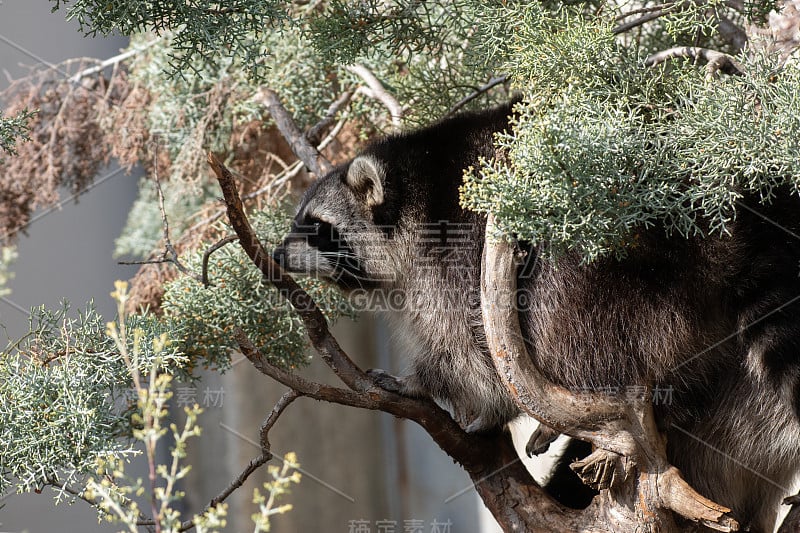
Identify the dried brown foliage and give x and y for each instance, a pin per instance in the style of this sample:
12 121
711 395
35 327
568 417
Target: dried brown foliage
258 155
127 128
88 117
67 146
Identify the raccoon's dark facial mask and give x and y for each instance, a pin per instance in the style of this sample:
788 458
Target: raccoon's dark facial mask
315 247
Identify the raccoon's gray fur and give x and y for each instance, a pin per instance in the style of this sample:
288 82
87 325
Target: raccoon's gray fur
714 322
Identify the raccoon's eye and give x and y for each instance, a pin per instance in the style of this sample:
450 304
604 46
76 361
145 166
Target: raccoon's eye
318 232
317 226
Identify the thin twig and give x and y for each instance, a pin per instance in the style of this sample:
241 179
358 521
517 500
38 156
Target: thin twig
648 9
169 250
159 261
169 255
622 28
55 484
111 61
492 83
313 135
222 242
255 463
251 467
333 133
285 175
284 402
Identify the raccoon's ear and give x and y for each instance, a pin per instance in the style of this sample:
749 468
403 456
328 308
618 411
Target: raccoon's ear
365 176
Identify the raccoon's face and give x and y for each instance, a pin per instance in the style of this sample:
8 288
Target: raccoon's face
334 235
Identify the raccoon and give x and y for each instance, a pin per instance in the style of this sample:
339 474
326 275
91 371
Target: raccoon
713 322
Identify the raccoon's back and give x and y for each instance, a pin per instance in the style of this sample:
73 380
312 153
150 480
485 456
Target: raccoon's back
673 308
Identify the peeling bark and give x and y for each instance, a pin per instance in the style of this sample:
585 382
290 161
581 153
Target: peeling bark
642 490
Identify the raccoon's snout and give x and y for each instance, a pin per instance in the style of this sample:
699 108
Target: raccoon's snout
279 256
288 261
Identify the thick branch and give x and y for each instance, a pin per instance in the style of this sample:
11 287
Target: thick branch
379 93
625 433
318 333
553 405
309 155
312 389
490 459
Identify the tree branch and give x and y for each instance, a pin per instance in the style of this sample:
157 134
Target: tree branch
468 450
483 89
75 78
491 461
169 255
309 155
56 485
312 389
254 463
318 332
715 60
284 401
207 255
644 19
315 133
379 92
631 453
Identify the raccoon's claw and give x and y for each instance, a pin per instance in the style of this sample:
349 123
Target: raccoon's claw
540 440
388 382
792 520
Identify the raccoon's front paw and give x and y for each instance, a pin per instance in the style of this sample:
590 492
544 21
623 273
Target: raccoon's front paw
540 440
391 383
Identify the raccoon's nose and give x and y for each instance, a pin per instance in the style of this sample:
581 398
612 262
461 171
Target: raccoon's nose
279 256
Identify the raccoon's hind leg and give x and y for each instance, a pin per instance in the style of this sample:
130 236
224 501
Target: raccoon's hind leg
410 386
480 424
402 385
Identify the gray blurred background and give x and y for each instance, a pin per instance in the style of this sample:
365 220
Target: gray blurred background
66 254
363 471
